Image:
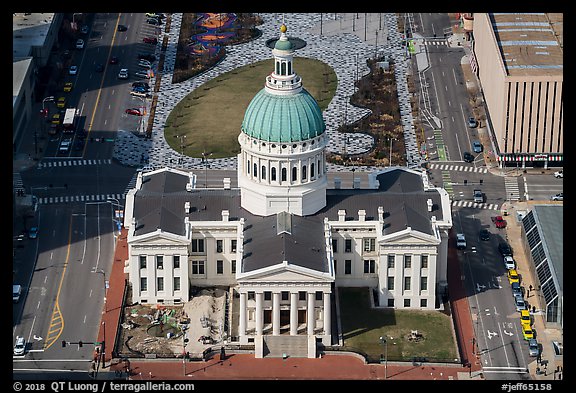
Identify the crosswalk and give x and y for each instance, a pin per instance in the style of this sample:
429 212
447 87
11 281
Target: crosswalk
436 42
456 167
80 198
512 189
487 206
72 162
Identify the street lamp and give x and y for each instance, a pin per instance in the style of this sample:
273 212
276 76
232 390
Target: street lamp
384 342
204 155
115 202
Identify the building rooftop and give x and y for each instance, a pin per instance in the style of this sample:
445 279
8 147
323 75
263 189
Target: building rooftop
29 30
530 43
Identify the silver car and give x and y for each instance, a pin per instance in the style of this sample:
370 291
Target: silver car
520 303
533 347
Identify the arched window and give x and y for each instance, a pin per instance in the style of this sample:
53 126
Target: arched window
294 174
303 172
273 173
255 170
263 172
289 68
283 174
277 67
319 167
283 69
312 170
248 167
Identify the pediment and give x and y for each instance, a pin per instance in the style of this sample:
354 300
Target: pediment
285 273
410 237
159 238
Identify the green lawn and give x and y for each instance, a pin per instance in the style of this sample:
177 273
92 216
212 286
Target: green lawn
362 328
210 116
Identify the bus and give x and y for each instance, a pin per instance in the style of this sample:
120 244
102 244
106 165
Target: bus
69 123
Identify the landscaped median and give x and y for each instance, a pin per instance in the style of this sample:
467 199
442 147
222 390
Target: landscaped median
409 334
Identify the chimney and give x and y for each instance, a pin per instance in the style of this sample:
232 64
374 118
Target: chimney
225 215
361 215
429 202
341 215
187 207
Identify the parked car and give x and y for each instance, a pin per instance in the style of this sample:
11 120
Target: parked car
513 276
509 262
468 157
154 21
61 103
80 43
16 292
33 233
477 147
68 87
150 40
20 346
460 241
142 74
143 62
472 123
505 249
122 28
516 289
533 347
484 234
123 74
499 221
140 89
133 111
528 333
154 15
525 318
559 174
73 70
142 84
519 303
558 197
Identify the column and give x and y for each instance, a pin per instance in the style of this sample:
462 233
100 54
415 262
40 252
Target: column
310 318
259 313
327 314
242 327
276 313
293 313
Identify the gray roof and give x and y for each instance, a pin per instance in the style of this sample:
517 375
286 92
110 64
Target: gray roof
550 220
159 204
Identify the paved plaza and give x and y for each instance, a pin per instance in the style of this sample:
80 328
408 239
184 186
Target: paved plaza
346 42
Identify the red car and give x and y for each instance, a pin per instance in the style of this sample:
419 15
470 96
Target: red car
499 222
114 60
150 40
133 111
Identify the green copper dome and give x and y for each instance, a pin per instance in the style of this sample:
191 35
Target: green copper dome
283 118
283 45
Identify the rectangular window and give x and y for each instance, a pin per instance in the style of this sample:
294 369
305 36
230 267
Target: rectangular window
198 267
391 259
143 284
233 266
407 261
301 295
159 262
348 245
142 261
176 261
251 295
160 285
176 283
197 245
424 261
348 266
407 281
233 243
390 302
267 295
423 303
219 267
423 283
319 295
334 245
391 283
335 266
406 302
219 245
369 266
285 295
369 245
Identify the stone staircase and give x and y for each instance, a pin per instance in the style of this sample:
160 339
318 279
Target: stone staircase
285 345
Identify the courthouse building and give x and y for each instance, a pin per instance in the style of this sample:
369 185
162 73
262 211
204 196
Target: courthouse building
283 241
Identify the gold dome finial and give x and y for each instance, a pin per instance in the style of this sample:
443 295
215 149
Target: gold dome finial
283 28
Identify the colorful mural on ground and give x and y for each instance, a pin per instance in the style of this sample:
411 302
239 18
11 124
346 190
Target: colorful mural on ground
213 37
